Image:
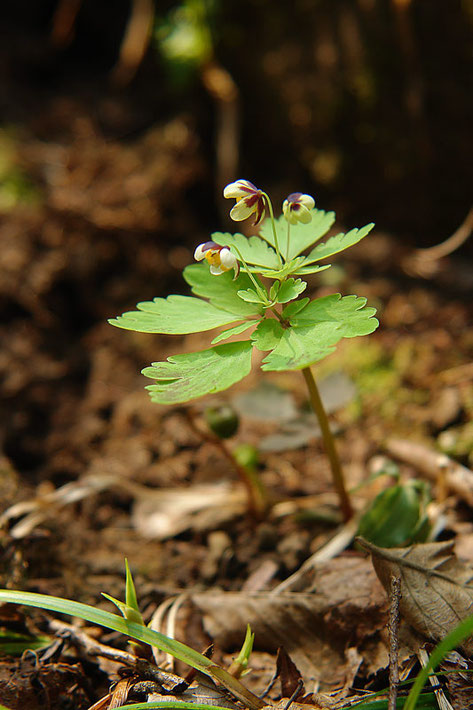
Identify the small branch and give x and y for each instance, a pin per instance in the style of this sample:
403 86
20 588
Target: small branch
393 628
329 443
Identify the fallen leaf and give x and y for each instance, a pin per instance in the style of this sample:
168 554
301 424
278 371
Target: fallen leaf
436 589
347 607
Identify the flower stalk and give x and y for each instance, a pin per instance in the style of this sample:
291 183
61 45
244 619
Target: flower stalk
329 442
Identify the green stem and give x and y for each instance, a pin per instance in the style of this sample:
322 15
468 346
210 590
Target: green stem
259 288
329 442
288 236
273 224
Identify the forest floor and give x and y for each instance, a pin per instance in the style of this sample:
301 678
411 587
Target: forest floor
86 245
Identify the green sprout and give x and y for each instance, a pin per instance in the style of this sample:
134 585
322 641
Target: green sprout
253 285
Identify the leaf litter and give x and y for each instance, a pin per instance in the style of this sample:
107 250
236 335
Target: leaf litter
72 409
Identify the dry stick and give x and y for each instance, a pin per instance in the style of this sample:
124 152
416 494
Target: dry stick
329 442
393 628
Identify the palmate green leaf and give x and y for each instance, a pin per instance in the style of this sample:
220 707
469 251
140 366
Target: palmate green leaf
254 250
221 290
349 312
174 315
190 375
336 244
300 347
302 236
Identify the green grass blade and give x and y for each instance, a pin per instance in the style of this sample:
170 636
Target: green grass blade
454 639
136 631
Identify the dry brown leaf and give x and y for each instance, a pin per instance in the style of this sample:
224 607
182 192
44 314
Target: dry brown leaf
436 589
347 608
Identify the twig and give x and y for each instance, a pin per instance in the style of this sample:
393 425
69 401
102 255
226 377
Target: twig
458 478
393 628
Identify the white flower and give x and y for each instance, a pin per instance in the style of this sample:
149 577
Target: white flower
249 200
220 258
296 208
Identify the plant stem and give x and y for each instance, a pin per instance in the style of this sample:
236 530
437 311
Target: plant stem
329 443
288 237
271 215
259 288
256 492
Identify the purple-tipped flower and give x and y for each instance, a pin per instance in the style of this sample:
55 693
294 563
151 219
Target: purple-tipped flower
297 208
249 200
220 258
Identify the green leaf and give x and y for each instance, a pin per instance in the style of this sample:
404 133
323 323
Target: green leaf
185 377
111 621
233 331
140 633
311 269
293 308
349 312
221 290
268 334
338 243
284 271
174 315
393 518
290 289
254 250
301 347
302 236
250 296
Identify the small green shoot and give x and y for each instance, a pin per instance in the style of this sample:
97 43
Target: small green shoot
239 666
258 290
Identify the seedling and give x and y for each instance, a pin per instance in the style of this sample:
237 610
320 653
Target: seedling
254 286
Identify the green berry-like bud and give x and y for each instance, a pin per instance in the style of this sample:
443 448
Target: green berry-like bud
223 421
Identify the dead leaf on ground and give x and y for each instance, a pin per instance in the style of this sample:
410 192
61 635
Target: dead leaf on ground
436 589
346 608
167 512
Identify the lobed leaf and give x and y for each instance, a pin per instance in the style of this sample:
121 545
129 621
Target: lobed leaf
302 236
254 250
349 312
268 334
221 290
338 243
233 331
290 289
190 375
249 295
300 347
174 315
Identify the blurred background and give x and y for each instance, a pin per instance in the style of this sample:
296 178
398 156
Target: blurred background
120 124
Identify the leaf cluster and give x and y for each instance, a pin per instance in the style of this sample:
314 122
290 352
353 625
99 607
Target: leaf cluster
293 332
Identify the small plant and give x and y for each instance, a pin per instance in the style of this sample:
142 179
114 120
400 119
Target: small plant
253 285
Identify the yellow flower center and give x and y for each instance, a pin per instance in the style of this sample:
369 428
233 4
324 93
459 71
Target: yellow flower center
213 257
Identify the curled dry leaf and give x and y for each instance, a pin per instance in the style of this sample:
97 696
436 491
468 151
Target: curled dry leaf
436 589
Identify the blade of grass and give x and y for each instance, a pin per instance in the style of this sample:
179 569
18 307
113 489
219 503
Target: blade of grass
454 639
141 633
